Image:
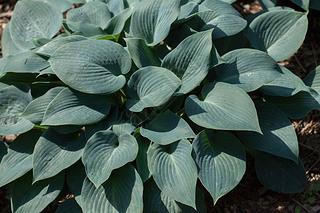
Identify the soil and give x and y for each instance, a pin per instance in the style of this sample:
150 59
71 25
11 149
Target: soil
250 195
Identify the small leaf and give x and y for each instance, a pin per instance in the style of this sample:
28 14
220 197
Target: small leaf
279 33
280 174
225 107
69 205
167 128
151 20
116 24
18 161
70 107
221 161
92 66
248 69
174 171
122 192
55 152
27 197
279 137
105 151
150 87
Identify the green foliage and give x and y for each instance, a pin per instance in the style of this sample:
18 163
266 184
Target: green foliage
128 103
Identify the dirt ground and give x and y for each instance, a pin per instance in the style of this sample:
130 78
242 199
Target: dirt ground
250 196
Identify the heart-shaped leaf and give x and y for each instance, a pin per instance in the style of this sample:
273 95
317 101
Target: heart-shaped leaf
225 107
279 33
221 161
92 66
248 69
150 87
105 151
55 152
27 197
279 137
167 128
70 107
174 171
151 20
122 192
18 161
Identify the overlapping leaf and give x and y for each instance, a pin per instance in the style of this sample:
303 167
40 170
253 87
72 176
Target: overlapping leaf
141 160
313 79
225 107
8 46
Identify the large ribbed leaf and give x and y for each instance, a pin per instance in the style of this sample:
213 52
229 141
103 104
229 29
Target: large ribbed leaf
297 106
248 69
313 79
18 161
167 128
221 161
49 48
9 47
117 23
151 20
89 19
279 137
55 152
174 171
70 107
122 192
150 87
280 174
191 60
104 152
13 101
69 205
63 5
27 197
141 54
157 201
279 33
92 66
225 107
287 84
34 19
141 160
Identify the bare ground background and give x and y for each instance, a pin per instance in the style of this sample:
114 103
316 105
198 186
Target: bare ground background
250 195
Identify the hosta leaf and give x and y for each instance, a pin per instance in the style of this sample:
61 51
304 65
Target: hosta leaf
49 48
248 69
280 174
9 47
279 33
55 152
69 205
151 20
297 106
225 107
27 197
313 79
63 5
315 4
36 109
3 151
13 100
167 128
105 151
304 4
150 87
157 201
70 107
141 54
174 171
18 161
117 23
122 192
287 84
27 62
221 161
92 66
279 137
123 128
189 11
141 160
115 6
34 19
191 60
267 3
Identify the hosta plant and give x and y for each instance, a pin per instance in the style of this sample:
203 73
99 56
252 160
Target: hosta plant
141 106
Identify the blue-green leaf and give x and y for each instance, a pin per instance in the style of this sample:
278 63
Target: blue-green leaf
141 160
167 128
221 161
224 106
304 4
116 24
174 171
104 152
265 4
313 79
